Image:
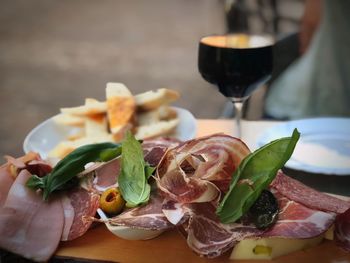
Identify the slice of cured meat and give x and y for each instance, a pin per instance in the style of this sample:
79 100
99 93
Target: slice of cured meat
298 221
196 169
342 230
149 216
28 225
85 205
107 174
68 211
154 149
13 166
307 196
6 180
207 236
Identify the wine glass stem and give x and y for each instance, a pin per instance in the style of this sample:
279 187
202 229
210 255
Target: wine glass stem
238 105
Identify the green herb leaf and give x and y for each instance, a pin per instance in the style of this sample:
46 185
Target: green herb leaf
254 174
149 171
65 170
109 154
134 173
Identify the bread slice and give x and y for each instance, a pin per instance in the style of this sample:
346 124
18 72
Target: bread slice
151 100
160 114
160 128
96 125
120 108
91 107
69 119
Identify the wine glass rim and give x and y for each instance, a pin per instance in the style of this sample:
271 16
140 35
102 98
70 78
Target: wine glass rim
267 40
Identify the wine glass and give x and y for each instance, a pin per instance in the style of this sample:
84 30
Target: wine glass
238 64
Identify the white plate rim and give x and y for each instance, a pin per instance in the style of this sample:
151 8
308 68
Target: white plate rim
286 128
188 123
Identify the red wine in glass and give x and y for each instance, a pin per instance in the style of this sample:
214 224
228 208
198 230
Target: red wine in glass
237 64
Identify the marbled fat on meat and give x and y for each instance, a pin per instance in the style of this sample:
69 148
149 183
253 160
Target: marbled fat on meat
149 216
298 221
307 196
190 170
85 205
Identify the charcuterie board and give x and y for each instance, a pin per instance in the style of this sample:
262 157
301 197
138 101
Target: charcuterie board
99 244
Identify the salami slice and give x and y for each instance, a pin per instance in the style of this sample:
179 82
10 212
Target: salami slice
85 205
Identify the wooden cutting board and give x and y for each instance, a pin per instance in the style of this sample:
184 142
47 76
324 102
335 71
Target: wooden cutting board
99 244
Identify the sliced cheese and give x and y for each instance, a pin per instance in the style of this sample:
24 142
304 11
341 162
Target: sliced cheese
270 248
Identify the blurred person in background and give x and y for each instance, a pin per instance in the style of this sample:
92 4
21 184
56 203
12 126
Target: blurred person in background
317 84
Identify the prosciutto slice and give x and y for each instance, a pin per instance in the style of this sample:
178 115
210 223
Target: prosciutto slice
197 170
154 149
207 236
28 225
149 216
298 221
342 230
307 196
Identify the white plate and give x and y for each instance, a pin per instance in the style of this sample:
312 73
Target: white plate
44 137
324 145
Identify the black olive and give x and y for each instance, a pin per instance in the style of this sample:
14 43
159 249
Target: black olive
264 212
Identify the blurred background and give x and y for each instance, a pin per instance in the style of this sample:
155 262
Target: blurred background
54 53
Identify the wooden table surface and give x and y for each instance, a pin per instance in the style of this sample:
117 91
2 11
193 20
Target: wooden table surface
99 244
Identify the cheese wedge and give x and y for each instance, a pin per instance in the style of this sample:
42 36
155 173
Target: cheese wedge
270 248
120 108
153 99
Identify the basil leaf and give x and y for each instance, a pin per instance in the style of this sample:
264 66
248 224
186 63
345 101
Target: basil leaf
254 174
35 182
133 180
68 168
109 154
149 171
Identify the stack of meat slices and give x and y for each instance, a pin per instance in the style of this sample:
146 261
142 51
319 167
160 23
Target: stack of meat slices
193 176
32 227
190 180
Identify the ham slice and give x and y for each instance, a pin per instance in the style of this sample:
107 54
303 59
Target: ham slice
28 225
6 180
197 170
307 196
9 170
342 230
207 236
68 211
154 149
149 216
298 221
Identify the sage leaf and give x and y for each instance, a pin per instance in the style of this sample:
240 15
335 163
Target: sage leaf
65 170
254 174
133 177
